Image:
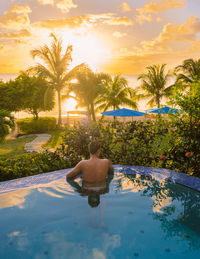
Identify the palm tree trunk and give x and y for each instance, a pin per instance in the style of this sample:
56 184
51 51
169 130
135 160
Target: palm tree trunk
92 112
59 110
158 101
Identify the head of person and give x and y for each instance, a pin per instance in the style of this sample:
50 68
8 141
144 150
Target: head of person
94 148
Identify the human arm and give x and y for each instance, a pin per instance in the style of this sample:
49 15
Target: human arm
110 168
75 171
75 185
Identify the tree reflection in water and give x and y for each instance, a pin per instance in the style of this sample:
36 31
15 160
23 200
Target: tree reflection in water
181 216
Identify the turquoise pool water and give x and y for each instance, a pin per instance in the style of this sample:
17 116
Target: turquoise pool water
136 216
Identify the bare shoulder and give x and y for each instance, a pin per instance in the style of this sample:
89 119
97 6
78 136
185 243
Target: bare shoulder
105 160
110 166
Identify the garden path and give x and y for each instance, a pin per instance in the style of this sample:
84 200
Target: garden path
36 144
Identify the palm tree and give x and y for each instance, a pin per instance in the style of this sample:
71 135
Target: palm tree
154 84
117 93
55 68
188 72
88 88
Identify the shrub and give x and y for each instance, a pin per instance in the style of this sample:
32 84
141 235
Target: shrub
30 125
6 123
159 143
37 163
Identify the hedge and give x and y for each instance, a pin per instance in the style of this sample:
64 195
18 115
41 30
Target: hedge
42 125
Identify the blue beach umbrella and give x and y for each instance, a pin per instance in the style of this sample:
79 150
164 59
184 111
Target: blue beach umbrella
123 113
165 110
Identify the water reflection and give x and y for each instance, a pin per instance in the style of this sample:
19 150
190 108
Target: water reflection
92 190
175 206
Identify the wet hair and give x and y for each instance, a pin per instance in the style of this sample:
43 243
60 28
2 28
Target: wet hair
93 147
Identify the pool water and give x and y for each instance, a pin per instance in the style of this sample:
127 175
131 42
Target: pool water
136 216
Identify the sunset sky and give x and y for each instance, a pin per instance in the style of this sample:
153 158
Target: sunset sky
113 36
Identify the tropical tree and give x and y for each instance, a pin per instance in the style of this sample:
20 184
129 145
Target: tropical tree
6 123
154 84
55 68
88 88
34 89
188 72
117 93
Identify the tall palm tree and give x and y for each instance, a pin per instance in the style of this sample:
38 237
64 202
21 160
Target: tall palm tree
55 68
188 72
154 84
117 93
88 88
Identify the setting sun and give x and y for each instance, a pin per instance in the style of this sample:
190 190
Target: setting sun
69 105
87 48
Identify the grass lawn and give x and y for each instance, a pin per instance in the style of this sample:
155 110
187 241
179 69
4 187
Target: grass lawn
55 140
14 147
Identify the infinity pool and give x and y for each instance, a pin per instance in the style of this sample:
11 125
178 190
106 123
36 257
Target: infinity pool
141 213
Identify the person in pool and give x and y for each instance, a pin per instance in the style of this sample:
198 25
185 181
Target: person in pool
94 170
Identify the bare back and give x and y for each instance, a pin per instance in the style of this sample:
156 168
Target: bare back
93 170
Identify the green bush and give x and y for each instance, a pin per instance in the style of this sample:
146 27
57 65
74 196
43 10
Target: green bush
30 125
6 123
161 143
37 163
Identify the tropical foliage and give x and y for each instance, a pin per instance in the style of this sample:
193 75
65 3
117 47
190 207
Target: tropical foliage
6 123
188 72
41 125
30 92
160 143
154 84
88 89
34 90
116 94
56 68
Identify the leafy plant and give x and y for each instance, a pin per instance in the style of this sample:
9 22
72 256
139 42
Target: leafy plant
42 125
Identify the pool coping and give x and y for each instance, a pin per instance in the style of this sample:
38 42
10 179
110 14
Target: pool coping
158 173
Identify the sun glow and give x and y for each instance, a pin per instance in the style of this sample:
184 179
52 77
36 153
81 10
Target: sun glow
87 48
69 105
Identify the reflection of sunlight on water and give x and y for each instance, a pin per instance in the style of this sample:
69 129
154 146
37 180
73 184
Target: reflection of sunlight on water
15 198
56 189
14 234
136 184
50 193
130 186
164 202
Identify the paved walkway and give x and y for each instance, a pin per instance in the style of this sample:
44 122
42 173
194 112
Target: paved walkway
36 144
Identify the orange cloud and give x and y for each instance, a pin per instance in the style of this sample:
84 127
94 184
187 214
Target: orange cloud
65 5
73 22
161 5
46 2
20 34
154 7
125 7
20 9
119 21
173 33
87 20
20 41
118 34
17 18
